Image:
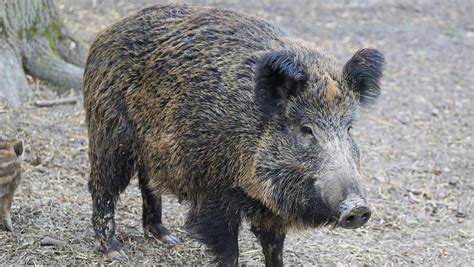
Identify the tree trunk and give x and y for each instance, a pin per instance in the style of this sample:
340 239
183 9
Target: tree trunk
34 39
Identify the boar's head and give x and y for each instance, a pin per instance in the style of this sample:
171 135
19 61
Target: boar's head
306 167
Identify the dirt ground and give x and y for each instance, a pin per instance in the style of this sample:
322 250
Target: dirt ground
417 145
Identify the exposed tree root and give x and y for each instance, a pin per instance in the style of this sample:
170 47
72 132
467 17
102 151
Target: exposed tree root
41 62
72 50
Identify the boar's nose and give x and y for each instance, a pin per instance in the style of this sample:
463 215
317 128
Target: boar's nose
354 213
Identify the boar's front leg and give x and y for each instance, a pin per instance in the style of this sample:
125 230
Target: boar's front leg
218 228
271 236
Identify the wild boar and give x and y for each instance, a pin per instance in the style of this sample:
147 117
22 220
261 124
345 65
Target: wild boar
230 114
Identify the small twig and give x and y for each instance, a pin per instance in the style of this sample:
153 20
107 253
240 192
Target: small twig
49 241
37 83
55 102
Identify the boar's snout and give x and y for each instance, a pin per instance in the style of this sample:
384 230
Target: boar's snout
354 213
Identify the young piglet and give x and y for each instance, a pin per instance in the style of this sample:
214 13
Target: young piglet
10 175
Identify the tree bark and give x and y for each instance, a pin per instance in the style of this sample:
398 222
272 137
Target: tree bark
34 39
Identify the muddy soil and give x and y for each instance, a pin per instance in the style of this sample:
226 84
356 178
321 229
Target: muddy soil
417 145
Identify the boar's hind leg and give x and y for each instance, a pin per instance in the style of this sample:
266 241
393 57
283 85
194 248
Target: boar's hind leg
271 238
111 171
152 223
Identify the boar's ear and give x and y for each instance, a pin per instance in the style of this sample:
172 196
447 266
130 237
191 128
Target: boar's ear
363 73
18 148
279 76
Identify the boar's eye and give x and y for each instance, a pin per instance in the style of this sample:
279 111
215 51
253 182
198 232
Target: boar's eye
349 128
306 130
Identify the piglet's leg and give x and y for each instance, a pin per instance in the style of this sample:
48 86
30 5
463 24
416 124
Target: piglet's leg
5 218
6 204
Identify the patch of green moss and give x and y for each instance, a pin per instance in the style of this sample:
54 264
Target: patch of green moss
53 33
2 28
32 30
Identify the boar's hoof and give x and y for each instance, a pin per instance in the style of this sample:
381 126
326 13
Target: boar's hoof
160 232
169 239
117 256
7 225
112 249
354 215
